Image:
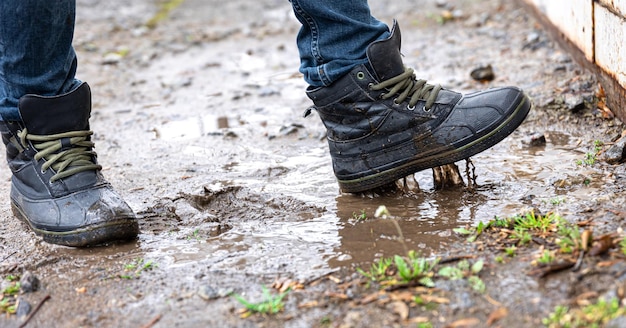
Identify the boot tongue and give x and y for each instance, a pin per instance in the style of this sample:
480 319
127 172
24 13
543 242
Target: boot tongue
384 55
59 114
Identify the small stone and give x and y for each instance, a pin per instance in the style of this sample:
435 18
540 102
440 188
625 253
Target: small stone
617 152
23 308
441 3
574 103
483 73
29 283
533 37
268 91
535 140
207 293
111 59
563 58
458 14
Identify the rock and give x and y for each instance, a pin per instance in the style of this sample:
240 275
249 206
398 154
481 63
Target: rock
29 283
441 3
535 140
563 58
574 103
207 293
111 59
533 37
483 73
458 14
616 153
23 308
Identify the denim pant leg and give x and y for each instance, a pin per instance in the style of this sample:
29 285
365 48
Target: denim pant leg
36 51
334 37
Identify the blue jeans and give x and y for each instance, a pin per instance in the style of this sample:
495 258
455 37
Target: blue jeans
334 37
37 56
36 51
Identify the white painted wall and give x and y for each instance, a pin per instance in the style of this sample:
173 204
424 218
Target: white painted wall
596 27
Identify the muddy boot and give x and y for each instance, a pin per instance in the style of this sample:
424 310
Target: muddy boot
57 187
383 124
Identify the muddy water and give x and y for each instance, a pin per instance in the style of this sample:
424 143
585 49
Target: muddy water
326 230
253 190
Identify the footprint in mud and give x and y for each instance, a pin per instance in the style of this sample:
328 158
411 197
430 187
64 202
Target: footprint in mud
215 211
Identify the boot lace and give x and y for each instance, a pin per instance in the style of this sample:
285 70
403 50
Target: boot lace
406 85
67 153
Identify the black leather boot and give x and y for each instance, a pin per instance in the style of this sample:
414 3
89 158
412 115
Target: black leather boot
57 187
383 124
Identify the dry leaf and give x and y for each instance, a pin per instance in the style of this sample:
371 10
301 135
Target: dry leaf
586 238
601 245
467 322
308 305
334 279
283 284
419 320
340 296
496 315
492 301
370 298
400 308
583 299
605 264
435 299
402 296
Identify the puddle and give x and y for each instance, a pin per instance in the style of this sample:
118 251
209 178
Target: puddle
283 237
192 128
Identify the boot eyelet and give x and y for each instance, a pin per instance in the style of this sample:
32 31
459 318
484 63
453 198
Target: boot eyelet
411 108
370 85
426 110
395 101
360 75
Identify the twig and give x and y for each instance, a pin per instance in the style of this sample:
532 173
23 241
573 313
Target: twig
402 286
455 258
153 321
7 257
579 262
552 268
32 314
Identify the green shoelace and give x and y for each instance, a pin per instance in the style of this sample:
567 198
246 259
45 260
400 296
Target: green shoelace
64 162
407 85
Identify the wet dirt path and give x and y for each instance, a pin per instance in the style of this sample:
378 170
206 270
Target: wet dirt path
199 125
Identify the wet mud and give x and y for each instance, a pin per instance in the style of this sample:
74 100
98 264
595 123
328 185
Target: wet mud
199 124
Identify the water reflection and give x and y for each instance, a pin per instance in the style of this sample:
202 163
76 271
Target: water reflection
421 222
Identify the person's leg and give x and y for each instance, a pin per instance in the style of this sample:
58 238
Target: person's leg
382 122
37 54
56 187
333 37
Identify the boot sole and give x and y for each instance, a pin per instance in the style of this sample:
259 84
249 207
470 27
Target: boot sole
468 150
119 230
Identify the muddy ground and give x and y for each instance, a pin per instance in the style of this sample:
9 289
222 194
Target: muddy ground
199 124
